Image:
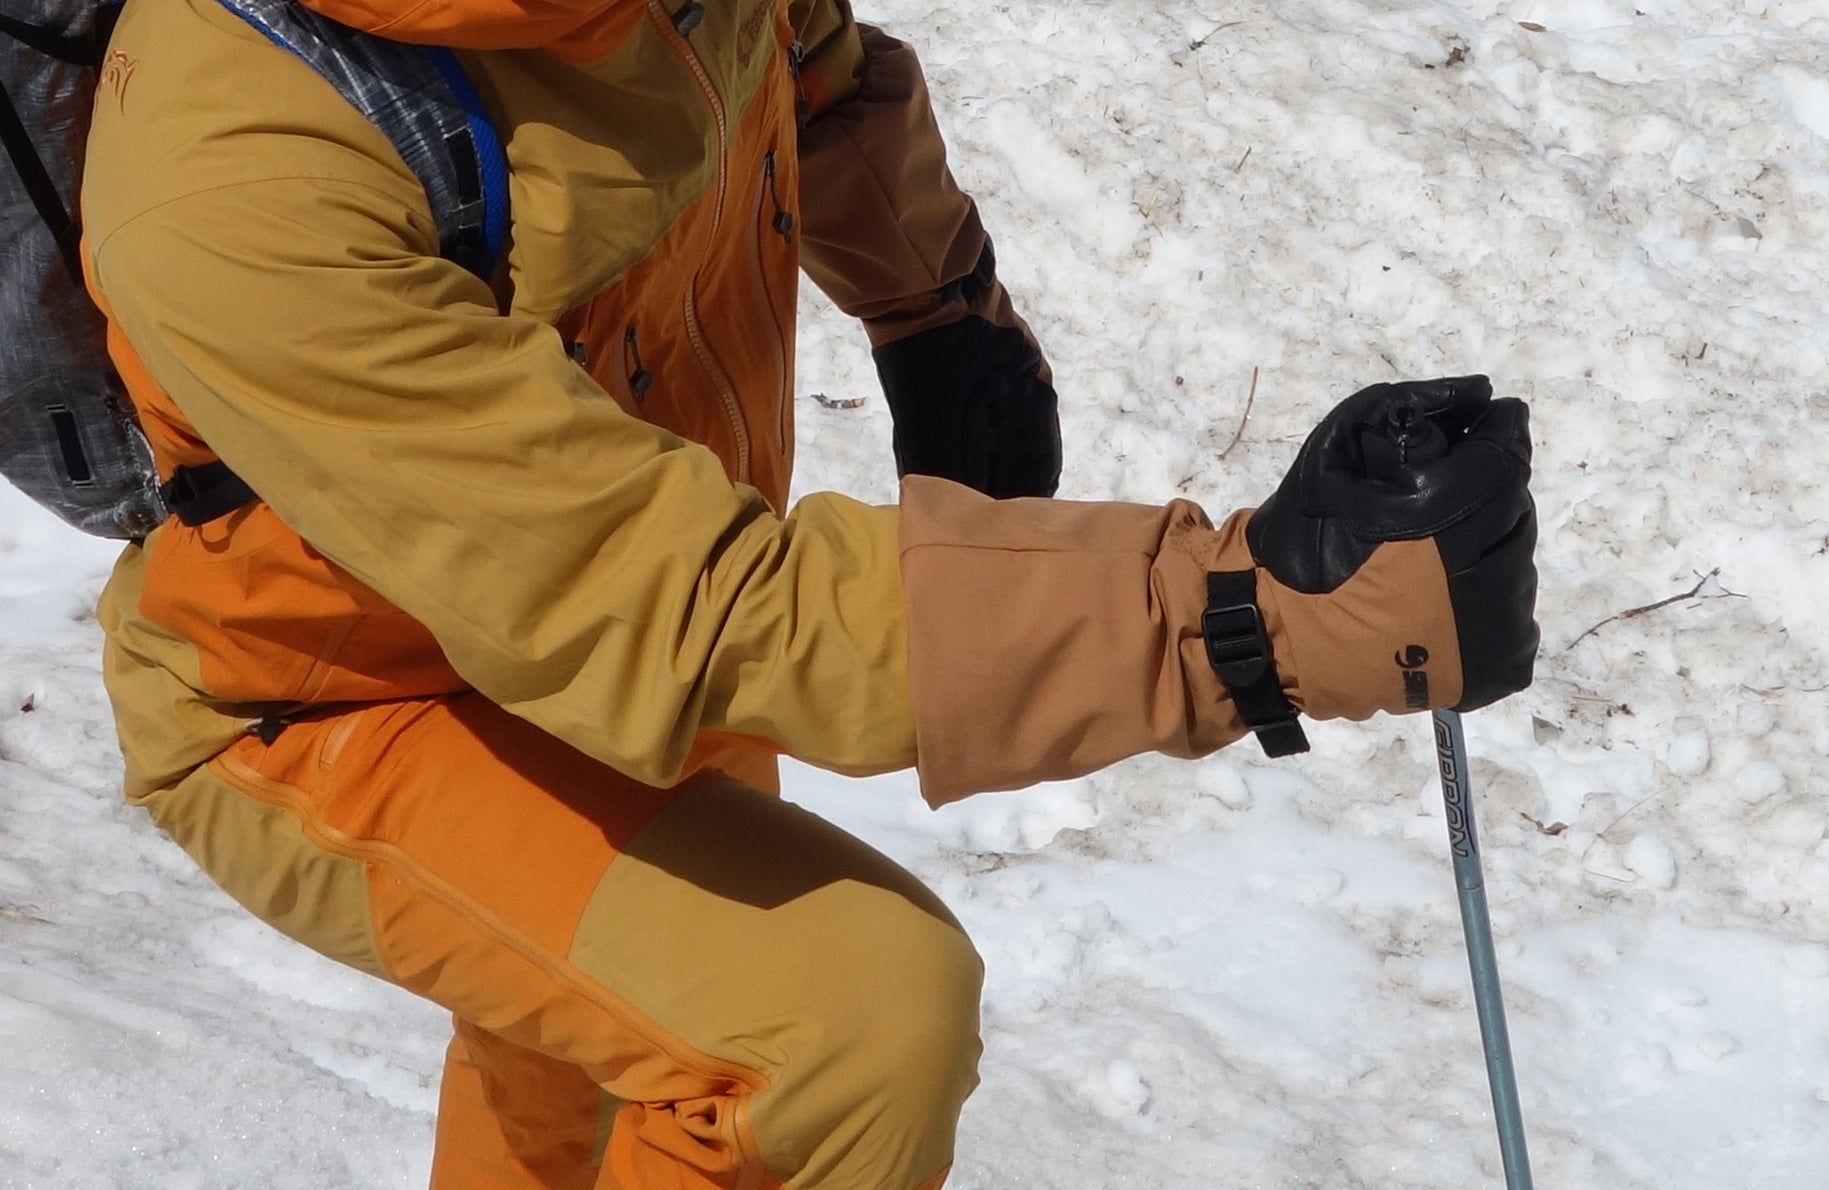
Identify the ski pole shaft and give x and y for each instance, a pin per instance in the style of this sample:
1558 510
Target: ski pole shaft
1476 924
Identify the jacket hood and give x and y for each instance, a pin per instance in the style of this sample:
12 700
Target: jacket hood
576 30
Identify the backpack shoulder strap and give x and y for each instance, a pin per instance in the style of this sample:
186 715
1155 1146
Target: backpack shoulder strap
81 47
78 49
35 177
423 102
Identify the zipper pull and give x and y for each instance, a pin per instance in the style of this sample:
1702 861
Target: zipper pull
268 730
803 103
688 17
783 222
640 379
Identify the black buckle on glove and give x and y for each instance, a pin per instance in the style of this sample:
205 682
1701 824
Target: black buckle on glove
1238 648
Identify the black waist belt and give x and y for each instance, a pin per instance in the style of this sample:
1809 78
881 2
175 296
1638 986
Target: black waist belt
199 495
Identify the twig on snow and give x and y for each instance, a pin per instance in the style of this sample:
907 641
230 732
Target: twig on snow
1200 42
1250 398
1629 613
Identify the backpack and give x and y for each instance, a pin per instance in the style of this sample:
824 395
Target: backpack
68 437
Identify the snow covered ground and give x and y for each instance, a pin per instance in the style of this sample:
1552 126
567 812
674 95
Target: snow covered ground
1237 973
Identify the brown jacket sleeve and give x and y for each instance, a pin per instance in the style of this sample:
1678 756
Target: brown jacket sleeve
1048 639
885 225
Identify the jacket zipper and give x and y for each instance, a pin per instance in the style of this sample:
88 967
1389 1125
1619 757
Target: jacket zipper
781 224
695 334
686 54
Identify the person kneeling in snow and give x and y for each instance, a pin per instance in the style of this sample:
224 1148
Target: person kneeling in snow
483 693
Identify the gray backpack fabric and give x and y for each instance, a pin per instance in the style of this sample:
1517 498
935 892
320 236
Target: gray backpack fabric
68 437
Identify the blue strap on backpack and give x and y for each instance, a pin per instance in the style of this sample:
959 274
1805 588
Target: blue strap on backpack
421 99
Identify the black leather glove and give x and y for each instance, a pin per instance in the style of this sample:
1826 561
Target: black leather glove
1431 459
972 398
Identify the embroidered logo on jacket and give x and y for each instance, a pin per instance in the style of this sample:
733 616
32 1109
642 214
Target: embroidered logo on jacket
117 72
751 33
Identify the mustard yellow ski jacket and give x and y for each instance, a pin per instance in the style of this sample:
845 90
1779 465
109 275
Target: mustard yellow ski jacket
463 486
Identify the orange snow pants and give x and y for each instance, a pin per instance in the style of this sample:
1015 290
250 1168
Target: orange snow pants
654 989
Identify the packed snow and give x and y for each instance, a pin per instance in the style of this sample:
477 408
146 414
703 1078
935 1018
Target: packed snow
1220 219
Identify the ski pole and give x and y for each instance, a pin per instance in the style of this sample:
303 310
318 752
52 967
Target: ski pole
1476 924
1403 436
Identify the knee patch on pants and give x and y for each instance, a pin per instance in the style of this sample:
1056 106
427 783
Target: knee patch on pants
784 944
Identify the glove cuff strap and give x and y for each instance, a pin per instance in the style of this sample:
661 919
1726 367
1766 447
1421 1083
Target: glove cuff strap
1239 650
